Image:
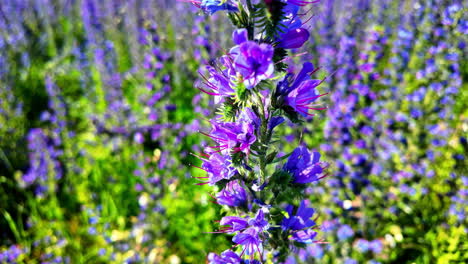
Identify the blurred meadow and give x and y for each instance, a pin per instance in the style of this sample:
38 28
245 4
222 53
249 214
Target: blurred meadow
99 115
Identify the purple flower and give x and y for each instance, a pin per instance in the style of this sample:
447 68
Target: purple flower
227 257
138 138
44 165
350 261
234 136
218 82
344 232
362 245
302 97
304 236
218 167
300 223
293 35
316 251
275 121
248 116
304 166
248 231
259 222
11 254
234 224
250 241
376 246
301 93
239 36
213 6
253 61
293 38
232 195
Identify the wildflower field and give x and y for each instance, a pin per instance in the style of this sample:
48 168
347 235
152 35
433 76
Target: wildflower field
233 131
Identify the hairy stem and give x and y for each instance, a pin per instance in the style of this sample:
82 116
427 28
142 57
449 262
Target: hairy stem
265 136
250 26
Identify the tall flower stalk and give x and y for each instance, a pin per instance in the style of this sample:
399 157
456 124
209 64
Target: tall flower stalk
261 188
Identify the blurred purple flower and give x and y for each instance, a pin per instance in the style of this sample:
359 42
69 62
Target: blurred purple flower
344 232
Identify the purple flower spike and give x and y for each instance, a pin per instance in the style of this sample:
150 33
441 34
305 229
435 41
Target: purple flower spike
293 39
304 166
254 62
232 195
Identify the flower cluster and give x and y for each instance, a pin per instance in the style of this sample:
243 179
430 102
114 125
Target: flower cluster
254 96
45 167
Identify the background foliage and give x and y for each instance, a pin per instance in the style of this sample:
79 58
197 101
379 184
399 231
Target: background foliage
99 114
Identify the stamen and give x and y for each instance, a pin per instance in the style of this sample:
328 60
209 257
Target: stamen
292 56
260 253
305 112
209 93
219 146
310 98
213 137
191 165
312 16
217 151
243 251
312 108
324 176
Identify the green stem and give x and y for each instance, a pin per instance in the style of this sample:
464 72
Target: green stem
265 136
5 160
250 26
